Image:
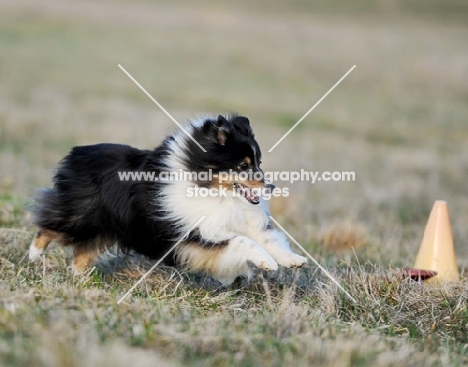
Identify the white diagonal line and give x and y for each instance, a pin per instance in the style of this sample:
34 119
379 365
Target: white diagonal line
160 260
315 261
315 105
162 108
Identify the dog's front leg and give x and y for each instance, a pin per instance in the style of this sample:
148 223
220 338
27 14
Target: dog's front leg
226 260
277 245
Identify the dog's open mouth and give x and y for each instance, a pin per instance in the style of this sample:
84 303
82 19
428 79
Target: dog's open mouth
251 195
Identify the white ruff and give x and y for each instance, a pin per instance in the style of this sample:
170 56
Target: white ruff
225 216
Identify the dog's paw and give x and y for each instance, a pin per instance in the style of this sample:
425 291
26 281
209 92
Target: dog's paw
265 262
253 253
34 252
292 260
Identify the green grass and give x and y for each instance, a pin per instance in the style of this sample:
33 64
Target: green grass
398 120
292 317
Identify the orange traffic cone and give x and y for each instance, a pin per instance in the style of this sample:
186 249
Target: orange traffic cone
436 251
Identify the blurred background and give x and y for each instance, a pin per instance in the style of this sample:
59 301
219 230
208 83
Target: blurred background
399 120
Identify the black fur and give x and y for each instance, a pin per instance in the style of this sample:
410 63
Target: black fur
88 200
222 157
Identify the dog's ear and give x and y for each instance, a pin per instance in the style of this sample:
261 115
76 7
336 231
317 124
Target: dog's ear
243 125
222 124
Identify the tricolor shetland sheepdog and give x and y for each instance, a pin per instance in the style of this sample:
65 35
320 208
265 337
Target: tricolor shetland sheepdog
91 208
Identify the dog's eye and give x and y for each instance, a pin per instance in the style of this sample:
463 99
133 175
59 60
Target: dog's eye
243 165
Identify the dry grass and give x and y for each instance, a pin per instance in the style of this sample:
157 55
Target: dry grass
398 121
293 317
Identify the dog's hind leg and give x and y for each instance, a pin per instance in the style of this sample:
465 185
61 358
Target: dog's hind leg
83 257
40 242
86 253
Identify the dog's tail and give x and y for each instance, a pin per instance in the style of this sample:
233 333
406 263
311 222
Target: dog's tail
45 210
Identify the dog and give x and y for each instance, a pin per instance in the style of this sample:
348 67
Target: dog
91 208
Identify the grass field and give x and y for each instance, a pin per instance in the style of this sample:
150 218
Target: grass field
399 121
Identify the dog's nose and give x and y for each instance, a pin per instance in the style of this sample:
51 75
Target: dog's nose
269 185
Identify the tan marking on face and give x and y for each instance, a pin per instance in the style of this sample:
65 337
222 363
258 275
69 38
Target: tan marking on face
216 182
252 184
228 183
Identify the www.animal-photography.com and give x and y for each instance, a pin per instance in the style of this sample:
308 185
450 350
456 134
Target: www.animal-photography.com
265 183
